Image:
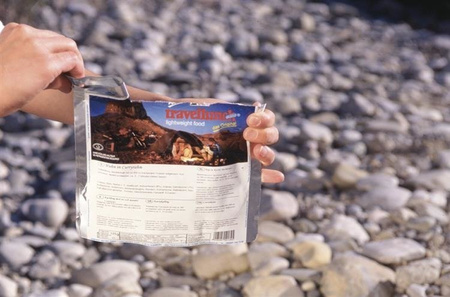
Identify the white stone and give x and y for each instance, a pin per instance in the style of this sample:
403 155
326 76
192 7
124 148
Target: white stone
394 251
312 254
351 275
269 286
210 261
420 272
278 205
175 292
343 227
275 232
99 273
8 288
346 176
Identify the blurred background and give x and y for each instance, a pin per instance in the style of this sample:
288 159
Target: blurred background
361 90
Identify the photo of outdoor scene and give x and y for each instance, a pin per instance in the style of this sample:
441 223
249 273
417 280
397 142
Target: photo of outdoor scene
123 132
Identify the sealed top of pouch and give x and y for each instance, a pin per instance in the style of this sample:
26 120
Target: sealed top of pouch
162 173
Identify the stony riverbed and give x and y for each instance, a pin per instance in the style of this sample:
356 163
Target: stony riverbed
363 110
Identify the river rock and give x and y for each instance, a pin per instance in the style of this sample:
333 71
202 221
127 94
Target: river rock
344 227
269 286
226 258
377 180
77 290
8 288
302 274
166 292
271 266
315 131
432 180
45 265
415 290
394 251
420 272
118 286
15 254
50 212
99 273
312 254
428 209
346 176
260 252
67 250
388 199
275 232
350 275
278 205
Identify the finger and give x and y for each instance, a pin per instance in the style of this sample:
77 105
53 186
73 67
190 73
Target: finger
8 29
61 83
261 119
66 62
59 44
271 176
263 154
265 136
35 32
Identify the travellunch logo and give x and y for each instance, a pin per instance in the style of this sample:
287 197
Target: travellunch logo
202 114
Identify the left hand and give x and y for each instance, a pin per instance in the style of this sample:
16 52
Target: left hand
261 132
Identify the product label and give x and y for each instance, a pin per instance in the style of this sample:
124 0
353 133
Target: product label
166 173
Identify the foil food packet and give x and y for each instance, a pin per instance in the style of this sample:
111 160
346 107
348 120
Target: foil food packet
162 173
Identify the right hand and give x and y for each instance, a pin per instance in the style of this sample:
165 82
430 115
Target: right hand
32 60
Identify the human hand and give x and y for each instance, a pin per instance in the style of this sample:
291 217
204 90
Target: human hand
33 60
261 132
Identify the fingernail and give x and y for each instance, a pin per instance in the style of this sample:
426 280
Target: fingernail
263 151
254 121
251 134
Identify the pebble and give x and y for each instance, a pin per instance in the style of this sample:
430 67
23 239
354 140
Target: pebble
350 275
271 266
50 212
278 205
275 232
344 227
420 272
346 176
77 290
8 288
97 274
50 293
415 290
45 266
269 286
172 280
377 180
388 199
428 209
227 258
67 250
119 285
421 224
394 251
15 254
312 254
166 292
432 180
315 131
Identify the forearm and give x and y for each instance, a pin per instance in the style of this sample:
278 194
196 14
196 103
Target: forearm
58 106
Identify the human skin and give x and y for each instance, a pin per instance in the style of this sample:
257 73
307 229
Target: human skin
33 65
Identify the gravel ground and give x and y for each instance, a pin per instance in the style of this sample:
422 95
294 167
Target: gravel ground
363 109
